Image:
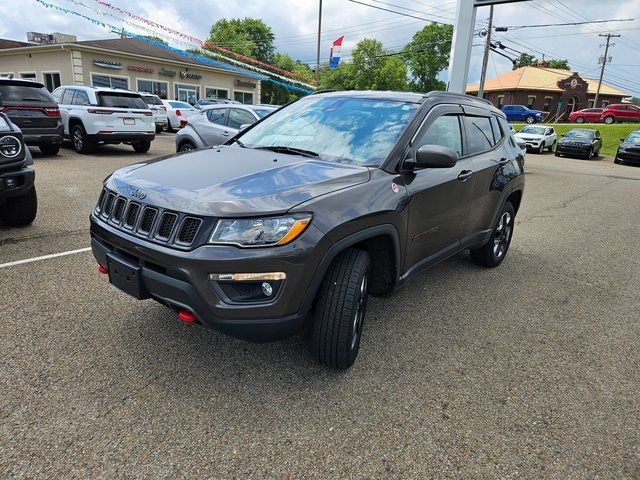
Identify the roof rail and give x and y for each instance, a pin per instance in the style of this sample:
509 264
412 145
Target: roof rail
468 98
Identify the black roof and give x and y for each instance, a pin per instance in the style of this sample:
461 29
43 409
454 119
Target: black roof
20 82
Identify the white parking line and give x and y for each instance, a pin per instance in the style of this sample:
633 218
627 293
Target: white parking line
44 257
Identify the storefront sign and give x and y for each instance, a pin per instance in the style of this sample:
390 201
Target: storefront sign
242 83
137 68
167 73
193 76
107 64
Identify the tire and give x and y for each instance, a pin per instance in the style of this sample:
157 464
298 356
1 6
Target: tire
590 154
530 119
340 309
552 147
609 120
49 149
617 161
186 146
557 154
80 140
159 129
493 252
167 127
579 120
20 211
141 147
540 149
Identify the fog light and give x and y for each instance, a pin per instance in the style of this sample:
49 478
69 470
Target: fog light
10 182
267 289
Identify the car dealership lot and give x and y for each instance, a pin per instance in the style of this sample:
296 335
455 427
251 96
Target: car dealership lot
529 370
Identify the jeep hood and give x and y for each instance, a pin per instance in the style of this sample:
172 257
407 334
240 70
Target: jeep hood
225 181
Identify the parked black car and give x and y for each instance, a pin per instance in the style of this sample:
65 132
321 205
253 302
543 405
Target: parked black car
32 108
333 197
18 200
629 150
581 143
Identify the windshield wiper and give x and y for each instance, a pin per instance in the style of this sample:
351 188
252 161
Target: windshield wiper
285 149
32 100
239 143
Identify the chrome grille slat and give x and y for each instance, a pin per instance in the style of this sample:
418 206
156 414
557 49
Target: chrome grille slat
108 204
148 218
131 217
118 210
188 230
167 223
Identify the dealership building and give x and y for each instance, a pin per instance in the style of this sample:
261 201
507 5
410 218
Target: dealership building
555 91
125 63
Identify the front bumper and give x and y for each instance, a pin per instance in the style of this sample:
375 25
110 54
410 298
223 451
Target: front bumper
572 150
23 178
628 158
119 137
179 279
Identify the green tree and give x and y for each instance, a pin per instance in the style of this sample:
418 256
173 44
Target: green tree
557 63
525 60
247 36
635 100
427 55
277 95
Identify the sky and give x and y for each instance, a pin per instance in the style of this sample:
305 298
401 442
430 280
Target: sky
295 23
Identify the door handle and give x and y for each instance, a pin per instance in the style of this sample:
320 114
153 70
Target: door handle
225 134
503 161
464 174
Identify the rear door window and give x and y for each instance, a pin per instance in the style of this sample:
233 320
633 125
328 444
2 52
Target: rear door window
81 98
479 134
67 98
238 117
120 100
497 132
218 116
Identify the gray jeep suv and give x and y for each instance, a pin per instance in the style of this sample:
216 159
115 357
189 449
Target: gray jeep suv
303 215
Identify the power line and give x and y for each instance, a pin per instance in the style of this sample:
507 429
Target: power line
398 13
518 27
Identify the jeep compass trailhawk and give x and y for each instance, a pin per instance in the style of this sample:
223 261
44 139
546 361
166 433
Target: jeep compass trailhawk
306 213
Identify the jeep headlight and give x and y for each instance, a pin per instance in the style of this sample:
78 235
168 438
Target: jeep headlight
260 232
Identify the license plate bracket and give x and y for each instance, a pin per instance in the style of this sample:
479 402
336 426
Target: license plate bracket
129 121
126 277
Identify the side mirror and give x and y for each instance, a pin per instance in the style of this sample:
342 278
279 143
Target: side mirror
562 135
432 156
622 139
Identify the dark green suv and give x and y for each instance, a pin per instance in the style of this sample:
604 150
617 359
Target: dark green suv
303 215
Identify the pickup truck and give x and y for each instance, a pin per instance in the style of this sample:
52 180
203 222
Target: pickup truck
538 137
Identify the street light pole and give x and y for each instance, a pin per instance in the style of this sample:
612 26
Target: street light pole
318 50
485 58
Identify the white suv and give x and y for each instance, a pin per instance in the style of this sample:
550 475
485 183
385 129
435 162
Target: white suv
93 115
159 110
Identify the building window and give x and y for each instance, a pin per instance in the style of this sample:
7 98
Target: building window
210 92
500 101
51 80
109 81
185 92
160 89
605 103
28 75
243 97
531 99
547 103
591 103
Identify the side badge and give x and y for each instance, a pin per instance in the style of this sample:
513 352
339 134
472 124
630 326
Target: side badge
395 187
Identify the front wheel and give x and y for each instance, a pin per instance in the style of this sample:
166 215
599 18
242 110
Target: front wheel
552 147
609 120
530 119
579 120
186 146
20 211
493 252
141 147
541 149
340 310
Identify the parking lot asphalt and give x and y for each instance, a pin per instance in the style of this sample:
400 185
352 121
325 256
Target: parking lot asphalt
530 370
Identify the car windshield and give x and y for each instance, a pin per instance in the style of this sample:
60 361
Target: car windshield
584 134
533 130
341 129
634 137
22 93
263 112
120 100
180 105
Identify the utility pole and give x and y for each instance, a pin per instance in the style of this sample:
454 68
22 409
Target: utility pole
485 58
604 63
318 51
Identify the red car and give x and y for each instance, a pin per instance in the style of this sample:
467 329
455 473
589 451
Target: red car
588 115
621 112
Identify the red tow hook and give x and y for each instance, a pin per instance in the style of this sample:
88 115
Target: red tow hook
187 317
102 269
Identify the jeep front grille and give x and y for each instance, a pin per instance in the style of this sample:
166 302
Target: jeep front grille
152 223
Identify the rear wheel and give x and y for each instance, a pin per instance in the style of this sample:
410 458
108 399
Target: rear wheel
579 120
80 139
186 146
20 211
530 119
141 147
493 252
340 310
49 149
609 120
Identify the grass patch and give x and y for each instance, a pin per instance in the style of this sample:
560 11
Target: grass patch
611 134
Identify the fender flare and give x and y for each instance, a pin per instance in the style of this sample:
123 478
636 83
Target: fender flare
339 246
